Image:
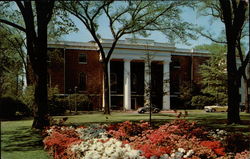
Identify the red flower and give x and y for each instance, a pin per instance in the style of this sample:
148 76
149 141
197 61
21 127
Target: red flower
215 146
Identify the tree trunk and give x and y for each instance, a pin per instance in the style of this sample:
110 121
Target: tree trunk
30 79
41 99
40 69
233 115
106 88
234 20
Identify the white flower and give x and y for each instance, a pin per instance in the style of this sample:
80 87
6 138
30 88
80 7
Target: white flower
189 153
165 156
173 155
133 154
92 155
94 148
49 131
181 150
114 155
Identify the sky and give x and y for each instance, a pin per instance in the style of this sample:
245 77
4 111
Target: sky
188 15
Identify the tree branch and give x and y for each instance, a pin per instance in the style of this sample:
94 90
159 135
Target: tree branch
210 37
72 10
111 49
110 21
242 68
50 7
20 5
234 4
239 18
21 54
100 8
227 15
146 23
13 25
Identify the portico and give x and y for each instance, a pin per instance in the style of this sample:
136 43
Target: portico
130 58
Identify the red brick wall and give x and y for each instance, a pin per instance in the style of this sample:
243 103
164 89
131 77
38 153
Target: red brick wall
197 62
56 71
183 69
181 74
93 70
184 72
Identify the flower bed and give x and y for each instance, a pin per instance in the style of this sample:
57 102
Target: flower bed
175 140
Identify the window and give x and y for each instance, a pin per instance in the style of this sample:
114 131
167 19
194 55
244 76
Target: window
82 58
113 82
176 64
134 83
82 81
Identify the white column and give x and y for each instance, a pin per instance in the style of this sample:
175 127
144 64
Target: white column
103 93
147 74
127 86
166 86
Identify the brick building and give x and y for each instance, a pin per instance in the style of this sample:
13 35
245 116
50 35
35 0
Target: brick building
81 71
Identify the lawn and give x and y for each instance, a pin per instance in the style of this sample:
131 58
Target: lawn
18 141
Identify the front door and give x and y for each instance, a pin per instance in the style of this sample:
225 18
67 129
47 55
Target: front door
133 103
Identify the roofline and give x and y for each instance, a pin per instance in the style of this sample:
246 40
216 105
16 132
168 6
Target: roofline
132 44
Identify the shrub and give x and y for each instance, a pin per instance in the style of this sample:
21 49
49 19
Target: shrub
27 97
167 139
237 142
23 109
174 140
123 131
200 101
243 155
57 105
215 146
8 107
57 144
11 107
81 101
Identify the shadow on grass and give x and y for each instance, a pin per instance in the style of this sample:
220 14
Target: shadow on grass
21 139
221 123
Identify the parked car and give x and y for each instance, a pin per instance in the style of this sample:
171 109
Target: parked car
215 108
147 109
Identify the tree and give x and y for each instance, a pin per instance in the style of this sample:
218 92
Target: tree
124 18
10 64
36 39
60 24
187 91
214 74
234 15
148 84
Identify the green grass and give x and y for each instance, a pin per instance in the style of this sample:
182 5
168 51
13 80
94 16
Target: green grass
19 141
